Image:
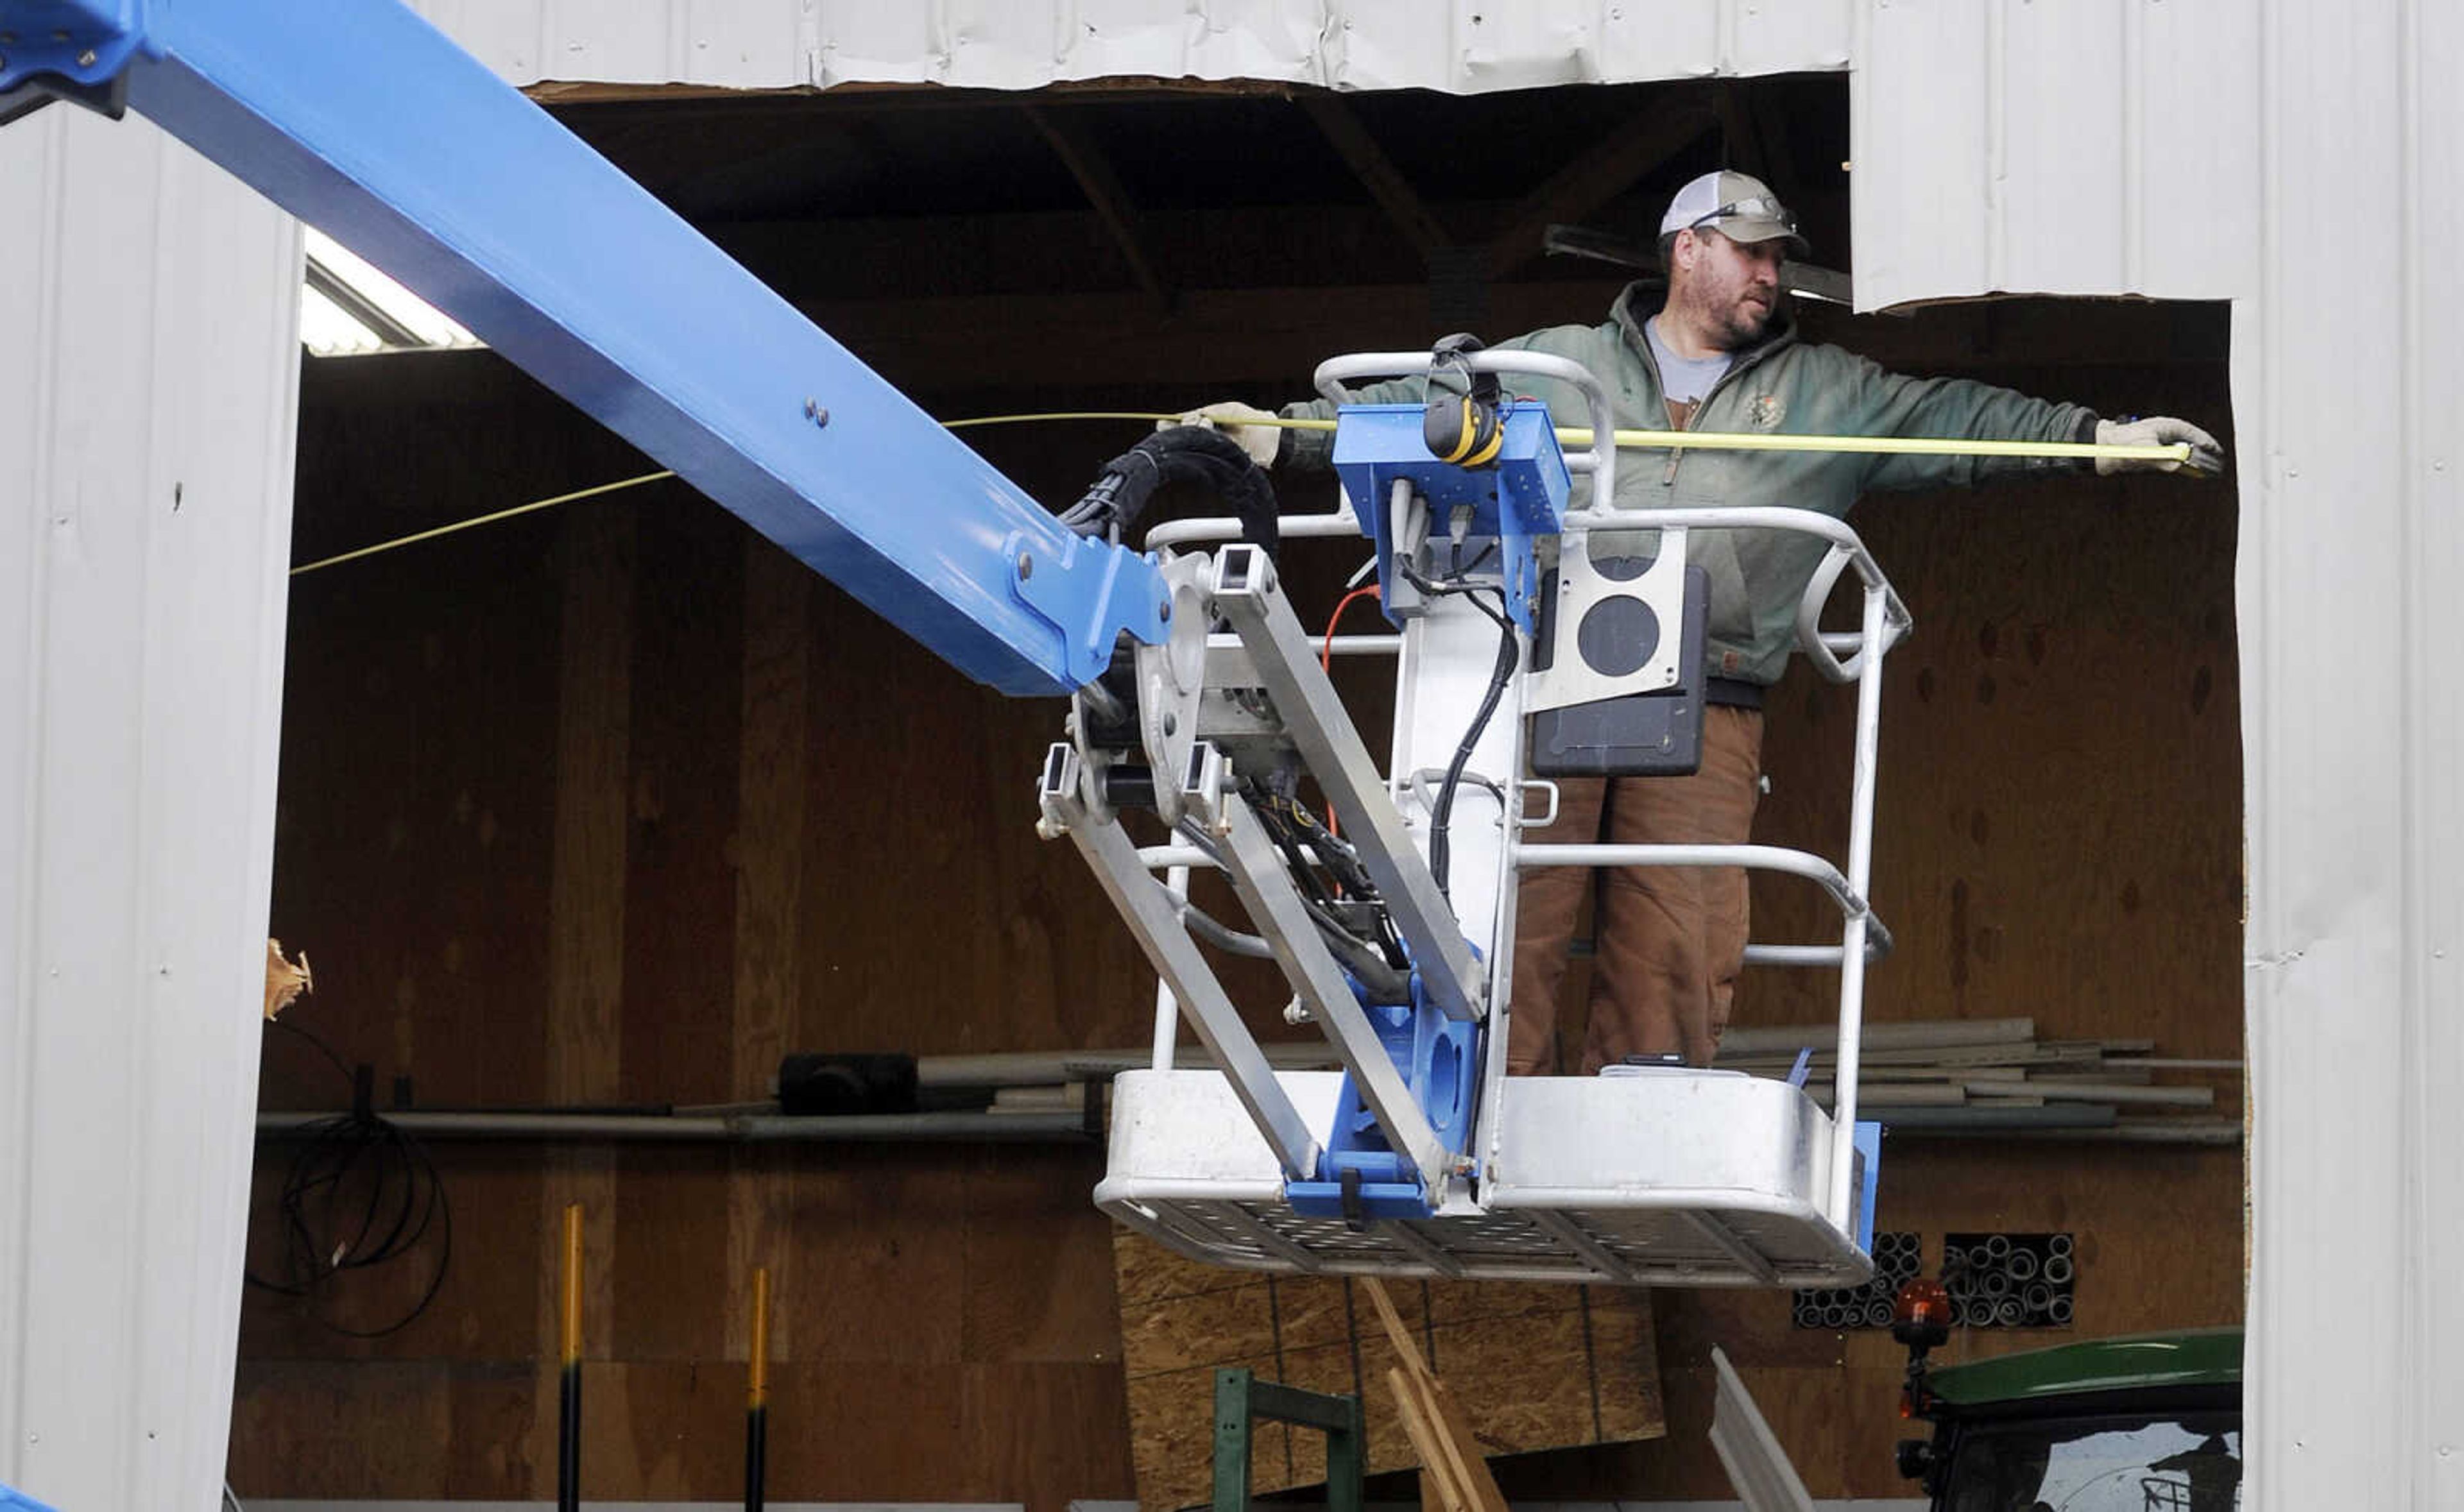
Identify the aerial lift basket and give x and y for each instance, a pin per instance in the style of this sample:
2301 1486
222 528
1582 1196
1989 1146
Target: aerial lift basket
1419 1156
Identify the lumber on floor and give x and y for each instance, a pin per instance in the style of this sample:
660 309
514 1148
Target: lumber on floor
1433 1418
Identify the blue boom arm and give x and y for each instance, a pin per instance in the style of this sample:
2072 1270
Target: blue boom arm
360 118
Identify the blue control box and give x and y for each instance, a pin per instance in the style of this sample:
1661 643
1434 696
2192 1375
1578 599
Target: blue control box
1515 500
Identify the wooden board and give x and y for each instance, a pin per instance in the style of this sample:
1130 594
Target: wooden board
1433 1419
1533 1366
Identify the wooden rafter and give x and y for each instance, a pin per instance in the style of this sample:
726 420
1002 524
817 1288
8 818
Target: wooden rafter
1599 175
1756 126
1103 189
1741 143
1375 171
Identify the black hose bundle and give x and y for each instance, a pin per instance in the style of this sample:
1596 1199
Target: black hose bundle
360 1193
1378 963
1193 453
1508 653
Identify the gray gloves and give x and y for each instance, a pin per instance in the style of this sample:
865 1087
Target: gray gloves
1238 422
2207 453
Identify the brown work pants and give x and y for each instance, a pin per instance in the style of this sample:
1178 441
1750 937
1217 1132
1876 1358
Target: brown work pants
1668 941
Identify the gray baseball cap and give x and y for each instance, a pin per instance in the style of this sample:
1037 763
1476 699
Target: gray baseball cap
1738 205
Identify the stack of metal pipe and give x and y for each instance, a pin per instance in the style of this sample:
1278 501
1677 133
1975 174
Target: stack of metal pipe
2010 1281
1897 1258
1994 1076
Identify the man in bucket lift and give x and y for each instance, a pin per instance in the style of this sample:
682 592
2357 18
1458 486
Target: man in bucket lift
1721 354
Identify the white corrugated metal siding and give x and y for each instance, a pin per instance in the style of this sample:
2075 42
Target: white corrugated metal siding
2068 148
148 386
2303 161
1465 46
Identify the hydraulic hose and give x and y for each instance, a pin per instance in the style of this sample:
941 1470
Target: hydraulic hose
1195 453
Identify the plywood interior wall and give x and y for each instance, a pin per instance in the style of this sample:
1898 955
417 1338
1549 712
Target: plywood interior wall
613 804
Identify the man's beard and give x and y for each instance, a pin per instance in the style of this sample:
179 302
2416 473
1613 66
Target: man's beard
1746 324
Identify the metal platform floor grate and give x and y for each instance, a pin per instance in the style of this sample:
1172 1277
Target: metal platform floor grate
1603 1248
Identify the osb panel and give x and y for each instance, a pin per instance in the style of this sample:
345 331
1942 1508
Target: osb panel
1535 1367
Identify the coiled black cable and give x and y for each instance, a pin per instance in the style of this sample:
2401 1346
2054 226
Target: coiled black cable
360 1194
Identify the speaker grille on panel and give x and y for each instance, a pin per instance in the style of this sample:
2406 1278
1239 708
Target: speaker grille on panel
1618 636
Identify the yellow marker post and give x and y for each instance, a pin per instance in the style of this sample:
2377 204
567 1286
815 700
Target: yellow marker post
757 1394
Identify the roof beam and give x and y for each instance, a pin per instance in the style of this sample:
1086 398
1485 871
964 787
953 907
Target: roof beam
1741 145
1652 138
1375 171
1094 174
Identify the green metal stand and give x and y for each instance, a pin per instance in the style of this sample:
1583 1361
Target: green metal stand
1240 1399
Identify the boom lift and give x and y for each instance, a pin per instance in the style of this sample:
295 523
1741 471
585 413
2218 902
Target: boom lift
1394 928
1194 692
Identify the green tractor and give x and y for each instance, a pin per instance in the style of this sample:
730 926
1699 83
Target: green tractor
2148 1423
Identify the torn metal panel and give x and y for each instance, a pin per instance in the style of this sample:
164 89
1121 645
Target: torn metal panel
1460 46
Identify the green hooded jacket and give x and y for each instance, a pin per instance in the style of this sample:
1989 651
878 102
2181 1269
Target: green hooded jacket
1783 385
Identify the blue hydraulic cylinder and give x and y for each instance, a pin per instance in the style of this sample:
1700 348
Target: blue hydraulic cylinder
362 118
1514 500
